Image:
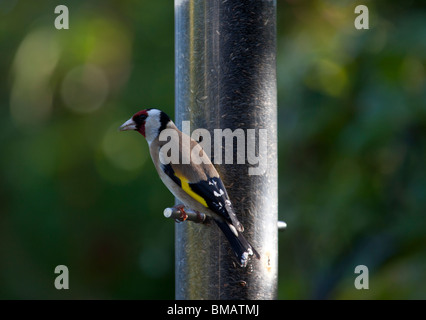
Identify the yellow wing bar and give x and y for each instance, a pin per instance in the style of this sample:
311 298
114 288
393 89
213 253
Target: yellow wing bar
188 190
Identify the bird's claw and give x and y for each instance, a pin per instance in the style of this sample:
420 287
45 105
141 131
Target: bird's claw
183 215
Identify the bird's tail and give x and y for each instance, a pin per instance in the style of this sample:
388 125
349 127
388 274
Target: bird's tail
241 247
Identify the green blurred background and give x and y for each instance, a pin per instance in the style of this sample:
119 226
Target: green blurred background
352 149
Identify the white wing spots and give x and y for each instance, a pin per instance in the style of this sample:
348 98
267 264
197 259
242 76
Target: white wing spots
218 206
212 182
245 256
244 259
233 229
218 194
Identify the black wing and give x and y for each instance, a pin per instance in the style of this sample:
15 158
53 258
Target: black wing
214 193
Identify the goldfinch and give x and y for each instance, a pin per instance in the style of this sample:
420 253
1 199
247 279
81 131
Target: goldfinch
197 185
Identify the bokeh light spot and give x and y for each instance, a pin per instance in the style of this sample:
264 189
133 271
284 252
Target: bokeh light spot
34 63
85 88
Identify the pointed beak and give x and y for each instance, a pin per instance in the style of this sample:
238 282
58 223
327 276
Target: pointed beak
128 125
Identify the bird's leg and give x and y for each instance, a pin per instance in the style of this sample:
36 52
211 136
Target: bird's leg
179 213
183 216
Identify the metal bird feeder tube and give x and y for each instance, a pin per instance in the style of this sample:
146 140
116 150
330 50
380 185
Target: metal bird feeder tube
226 78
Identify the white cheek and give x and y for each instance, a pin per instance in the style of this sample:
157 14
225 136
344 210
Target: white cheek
152 125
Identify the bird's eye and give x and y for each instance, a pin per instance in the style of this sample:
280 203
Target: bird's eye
140 119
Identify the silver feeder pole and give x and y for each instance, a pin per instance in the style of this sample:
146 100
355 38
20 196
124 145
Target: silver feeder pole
226 78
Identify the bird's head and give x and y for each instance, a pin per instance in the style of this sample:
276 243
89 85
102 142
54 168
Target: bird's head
148 122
